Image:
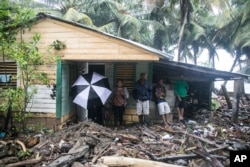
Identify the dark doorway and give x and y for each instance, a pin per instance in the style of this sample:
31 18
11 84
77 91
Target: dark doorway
99 68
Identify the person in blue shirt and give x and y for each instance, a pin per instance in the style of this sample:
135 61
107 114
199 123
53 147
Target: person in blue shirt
142 93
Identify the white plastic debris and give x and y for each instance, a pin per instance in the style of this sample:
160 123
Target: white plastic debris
205 132
211 128
167 137
61 143
191 122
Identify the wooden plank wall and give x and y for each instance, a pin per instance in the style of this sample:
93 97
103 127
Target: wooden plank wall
42 100
84 44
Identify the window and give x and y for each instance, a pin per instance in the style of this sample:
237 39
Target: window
8 72
125 72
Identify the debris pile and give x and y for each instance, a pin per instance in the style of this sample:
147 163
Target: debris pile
205 140
89 144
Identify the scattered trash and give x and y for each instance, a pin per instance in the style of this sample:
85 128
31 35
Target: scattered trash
167 137
88 143
2 134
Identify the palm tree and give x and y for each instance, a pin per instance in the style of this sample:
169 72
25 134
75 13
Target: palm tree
112 17
194 34
234 30
157 26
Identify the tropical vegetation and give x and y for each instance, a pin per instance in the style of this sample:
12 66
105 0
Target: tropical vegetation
188 26
13 20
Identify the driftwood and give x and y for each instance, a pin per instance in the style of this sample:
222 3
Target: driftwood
128 137
8 160
149 133
69 158
224 90
207 157
22 145
86 143
25 162
42 143
100 154
200 138
239 91
135 162
176 157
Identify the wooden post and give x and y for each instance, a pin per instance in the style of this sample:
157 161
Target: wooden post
229 104
238 92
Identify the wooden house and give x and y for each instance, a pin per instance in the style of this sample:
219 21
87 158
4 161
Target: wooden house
89 50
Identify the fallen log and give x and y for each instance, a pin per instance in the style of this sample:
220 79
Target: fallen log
162 143
135 162
224 90
176 157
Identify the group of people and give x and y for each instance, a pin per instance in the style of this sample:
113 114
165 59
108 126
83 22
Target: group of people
142 93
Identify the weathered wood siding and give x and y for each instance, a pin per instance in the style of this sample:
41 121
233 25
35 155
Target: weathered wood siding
42 101
84 44
50 70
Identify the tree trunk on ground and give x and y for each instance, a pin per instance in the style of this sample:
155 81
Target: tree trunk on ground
135 162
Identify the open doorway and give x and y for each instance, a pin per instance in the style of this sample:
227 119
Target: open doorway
98 68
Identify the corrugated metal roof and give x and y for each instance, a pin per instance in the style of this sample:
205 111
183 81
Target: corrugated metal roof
191 69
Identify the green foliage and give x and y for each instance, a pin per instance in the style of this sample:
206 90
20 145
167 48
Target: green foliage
214 104
210 24
27 57
75 16
58 45
23 154
14 18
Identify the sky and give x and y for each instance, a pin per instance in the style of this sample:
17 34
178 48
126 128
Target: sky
224 63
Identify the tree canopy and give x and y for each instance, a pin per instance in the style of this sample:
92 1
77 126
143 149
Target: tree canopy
188 26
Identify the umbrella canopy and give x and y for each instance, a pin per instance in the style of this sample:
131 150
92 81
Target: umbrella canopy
91 89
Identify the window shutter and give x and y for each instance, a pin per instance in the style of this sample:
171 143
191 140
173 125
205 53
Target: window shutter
9 69
125 72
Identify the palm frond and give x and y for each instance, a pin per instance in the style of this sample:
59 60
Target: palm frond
73 15
110 28
246 13
102 12
129 27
